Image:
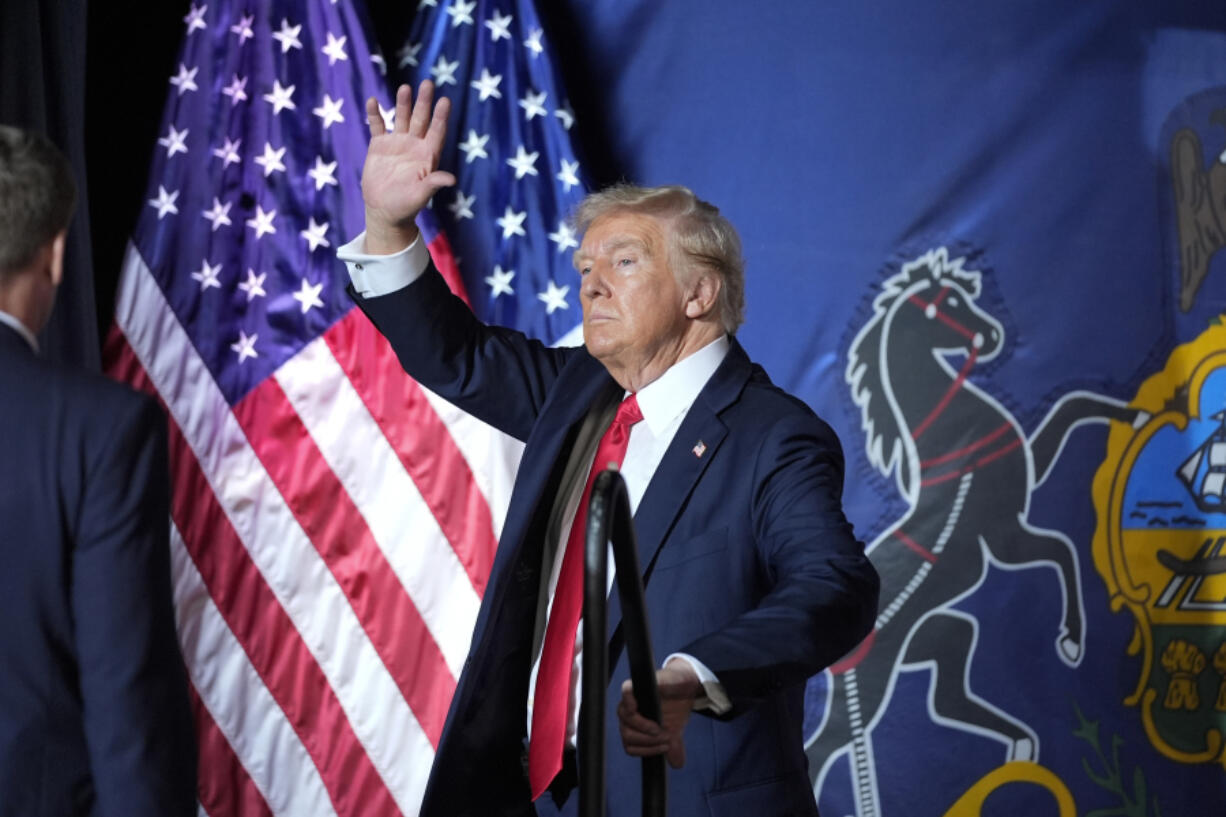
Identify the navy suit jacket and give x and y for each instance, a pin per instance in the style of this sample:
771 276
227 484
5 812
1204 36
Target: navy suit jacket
749 565
94 716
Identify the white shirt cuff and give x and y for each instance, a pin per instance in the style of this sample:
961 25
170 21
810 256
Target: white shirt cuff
716 699
375 275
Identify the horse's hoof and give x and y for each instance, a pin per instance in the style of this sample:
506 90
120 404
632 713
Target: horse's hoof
1070 650
1024 749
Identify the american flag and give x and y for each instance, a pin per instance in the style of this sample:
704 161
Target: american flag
510 149
332 523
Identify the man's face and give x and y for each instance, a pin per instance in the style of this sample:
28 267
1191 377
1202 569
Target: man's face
633 308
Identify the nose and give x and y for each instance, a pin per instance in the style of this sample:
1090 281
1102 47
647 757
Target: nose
592 284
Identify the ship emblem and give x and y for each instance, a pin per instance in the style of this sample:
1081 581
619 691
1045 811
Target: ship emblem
1160 548
1204 473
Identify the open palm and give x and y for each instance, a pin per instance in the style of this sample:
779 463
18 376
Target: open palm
401 171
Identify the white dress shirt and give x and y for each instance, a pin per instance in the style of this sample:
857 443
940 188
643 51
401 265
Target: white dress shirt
664 404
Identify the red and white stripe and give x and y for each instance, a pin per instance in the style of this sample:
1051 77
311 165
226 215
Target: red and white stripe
331 538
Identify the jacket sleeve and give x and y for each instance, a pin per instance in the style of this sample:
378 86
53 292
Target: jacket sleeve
821 590
134 691
496 374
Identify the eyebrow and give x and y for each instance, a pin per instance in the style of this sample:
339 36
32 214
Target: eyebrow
614 244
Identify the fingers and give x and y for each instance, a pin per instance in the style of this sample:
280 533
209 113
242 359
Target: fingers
374 117
643 731
437 133
643 737
422 110
404 100
440 179
640 737
636 729
628 699
422 118
676 753
639 745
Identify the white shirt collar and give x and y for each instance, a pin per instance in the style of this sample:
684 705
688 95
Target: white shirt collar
673 392
20 328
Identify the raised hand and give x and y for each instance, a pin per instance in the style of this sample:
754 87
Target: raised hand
401 171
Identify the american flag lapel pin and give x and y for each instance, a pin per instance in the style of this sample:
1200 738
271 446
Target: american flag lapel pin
699 449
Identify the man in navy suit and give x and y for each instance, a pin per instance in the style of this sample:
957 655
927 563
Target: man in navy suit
754 580
94 716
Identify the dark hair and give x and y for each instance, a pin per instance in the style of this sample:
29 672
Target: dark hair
37 196
701 236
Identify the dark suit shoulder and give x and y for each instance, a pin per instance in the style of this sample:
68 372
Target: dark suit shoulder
60 428
39 385
107 392
768 403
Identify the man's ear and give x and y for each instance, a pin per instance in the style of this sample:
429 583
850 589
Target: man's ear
703 295
57 257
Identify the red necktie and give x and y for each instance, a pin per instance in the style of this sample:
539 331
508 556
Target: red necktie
553 684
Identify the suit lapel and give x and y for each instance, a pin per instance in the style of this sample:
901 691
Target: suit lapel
691 452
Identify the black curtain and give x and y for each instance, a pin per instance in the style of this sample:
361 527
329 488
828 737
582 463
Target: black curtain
42 87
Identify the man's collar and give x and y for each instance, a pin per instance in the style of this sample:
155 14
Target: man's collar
20 328
675 391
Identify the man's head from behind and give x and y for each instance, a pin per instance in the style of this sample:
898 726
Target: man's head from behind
37 197
662 277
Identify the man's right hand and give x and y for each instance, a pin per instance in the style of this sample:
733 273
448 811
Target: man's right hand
401 171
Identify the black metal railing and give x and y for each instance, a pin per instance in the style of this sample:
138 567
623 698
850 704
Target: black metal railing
609 521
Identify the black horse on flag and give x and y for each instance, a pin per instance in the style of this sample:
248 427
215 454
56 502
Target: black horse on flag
967 470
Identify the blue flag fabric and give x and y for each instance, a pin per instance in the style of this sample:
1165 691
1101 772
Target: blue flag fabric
984 242
266 119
